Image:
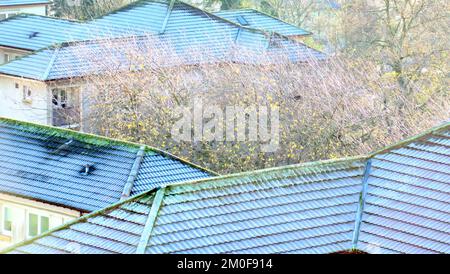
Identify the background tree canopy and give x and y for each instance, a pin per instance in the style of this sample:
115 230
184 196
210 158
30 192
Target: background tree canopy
387 78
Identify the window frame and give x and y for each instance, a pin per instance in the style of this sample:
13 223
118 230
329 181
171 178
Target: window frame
60 104
3 219
27 93
6 58
39 223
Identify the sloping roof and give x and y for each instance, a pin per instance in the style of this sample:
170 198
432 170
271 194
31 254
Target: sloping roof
48 164
78 59
142 17
259 20
321 207
186 32
22 2
309 208
407 206
34 32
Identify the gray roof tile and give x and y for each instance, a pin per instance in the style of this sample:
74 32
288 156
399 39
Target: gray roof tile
32 166
308 208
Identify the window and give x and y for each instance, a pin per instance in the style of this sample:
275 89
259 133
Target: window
59 98
45 224
26 93
7 220
11 14
33 225
37 224
275 43
7 15
6 58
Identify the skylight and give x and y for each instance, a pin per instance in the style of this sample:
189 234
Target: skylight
242 20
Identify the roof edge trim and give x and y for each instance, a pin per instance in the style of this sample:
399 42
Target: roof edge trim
411 139
272 169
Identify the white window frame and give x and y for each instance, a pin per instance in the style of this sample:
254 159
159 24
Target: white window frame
60 102
8 14
27 93
3 230
39 215
6 58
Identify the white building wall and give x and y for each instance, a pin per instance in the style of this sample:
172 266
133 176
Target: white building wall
21 209
11 54
14 105
11 11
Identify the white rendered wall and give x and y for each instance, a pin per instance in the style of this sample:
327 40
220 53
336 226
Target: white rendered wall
12 104
12 53
35 9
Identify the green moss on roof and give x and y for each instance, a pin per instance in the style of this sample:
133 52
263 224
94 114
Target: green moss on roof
92 139
277 172
423 135
257 176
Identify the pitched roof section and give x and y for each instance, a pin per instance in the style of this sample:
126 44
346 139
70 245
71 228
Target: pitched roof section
78 59
407 209
305 208
122 224
34 32
262 21
139 18
299 209
308 208
187 35
5 3
49 165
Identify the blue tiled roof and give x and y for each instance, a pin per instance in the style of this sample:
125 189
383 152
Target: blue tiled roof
78 59
22 2
293 209
407 209
393 201
34 32
181 28
140 18
258 20
46 164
